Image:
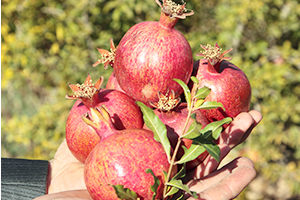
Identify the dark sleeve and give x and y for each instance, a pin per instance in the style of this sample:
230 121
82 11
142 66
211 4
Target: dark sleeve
23 179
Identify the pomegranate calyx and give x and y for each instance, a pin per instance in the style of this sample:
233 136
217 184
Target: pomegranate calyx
86 90
98 115
174 10
166 102
107 57
213 54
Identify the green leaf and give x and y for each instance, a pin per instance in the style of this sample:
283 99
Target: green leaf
124 193
215 128
193 131
191 153
156 183
181 173
213 149
194 79
198 103
186 90
202 92
172 190
158 128
178 184
210 105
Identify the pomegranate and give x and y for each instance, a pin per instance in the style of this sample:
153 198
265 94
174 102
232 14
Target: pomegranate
122 158
81 138
113 84
229 85
174 116
151 54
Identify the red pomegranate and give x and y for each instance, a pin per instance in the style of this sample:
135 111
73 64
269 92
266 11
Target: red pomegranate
151 54
113 84
229 85
122 159
174 115
81 138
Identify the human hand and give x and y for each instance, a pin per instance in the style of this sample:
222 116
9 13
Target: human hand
229 181
67 180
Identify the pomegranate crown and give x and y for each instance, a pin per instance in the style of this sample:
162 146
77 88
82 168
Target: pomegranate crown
213 54
174 10
86 90
107 58
166 102
96 116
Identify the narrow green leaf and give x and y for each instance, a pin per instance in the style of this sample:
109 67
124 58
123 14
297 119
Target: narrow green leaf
193 131
192 153
178 184
210 105
124 193
217 132
156 183
202 92
198 103
194 79
158 128
215 128
213 149
181 173
171 191
186 90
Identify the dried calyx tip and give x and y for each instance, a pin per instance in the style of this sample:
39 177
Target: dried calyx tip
85 90
174 10
213 53
107 57
166 102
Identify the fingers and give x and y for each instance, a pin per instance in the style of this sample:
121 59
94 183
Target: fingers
66 172
235 133
67 195
257 117
226 183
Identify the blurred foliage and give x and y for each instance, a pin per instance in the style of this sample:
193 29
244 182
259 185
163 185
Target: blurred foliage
47 44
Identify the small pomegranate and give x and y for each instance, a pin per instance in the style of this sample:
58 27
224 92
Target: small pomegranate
151 54
81 138
174 115
229 85
122 158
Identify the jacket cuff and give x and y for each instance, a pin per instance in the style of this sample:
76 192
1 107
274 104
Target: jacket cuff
23 178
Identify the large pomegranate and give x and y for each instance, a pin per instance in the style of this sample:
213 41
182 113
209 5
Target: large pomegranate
81 138
174 115
229 85
151 54
122 159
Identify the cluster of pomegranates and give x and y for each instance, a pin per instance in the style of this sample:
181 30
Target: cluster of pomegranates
105 128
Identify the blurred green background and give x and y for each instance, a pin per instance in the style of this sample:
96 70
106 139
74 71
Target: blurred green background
47 44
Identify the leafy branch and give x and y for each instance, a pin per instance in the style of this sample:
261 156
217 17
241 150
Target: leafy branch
203 140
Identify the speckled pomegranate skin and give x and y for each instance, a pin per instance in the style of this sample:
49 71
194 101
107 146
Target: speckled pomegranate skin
174 121
113 84
229 86
81 138
149 57
121 159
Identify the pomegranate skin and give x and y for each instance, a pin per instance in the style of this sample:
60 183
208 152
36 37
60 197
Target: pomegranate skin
121 159
81 138
174 121
229 86
113 84
149 57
